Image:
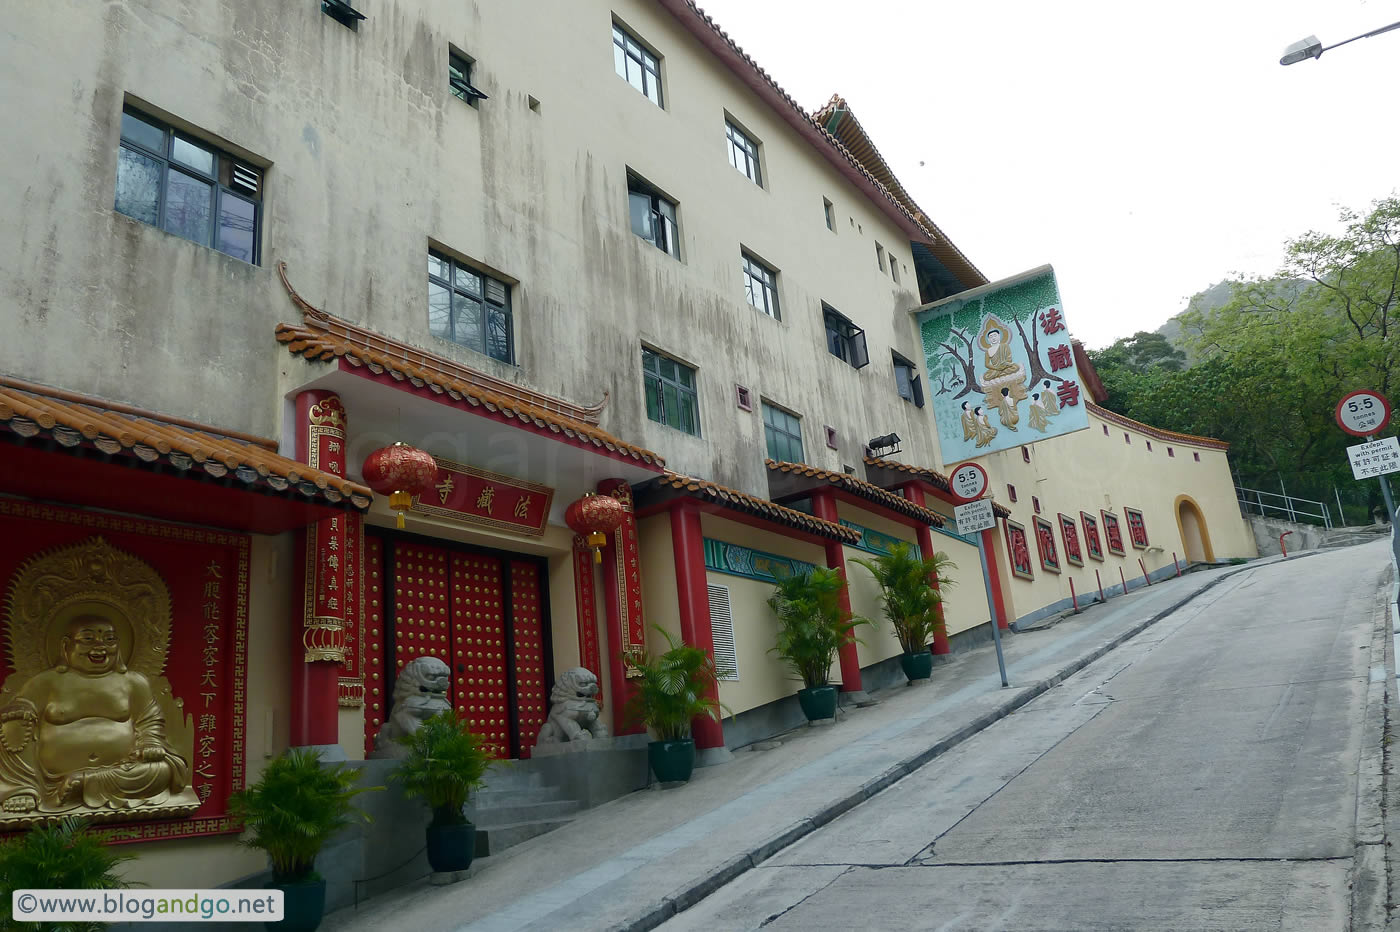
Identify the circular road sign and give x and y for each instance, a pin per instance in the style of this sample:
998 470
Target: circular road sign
968 482
1363 413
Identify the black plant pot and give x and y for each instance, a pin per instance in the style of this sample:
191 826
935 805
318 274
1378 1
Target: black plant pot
817 702
303 905
917 666
451 847
672 761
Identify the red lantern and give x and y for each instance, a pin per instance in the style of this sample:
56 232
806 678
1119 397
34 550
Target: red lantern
595 517
400 472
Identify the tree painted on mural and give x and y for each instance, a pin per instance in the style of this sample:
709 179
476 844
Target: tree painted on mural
949 341
1020 304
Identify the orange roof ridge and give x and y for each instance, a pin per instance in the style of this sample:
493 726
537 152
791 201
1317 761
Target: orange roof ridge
932 476
30 412
316 341
860 487
852 135
762 507
1210 443
588 414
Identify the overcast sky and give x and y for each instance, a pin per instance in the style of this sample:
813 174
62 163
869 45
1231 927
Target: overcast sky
1146 151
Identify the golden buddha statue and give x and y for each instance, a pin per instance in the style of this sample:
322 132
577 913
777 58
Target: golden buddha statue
88 725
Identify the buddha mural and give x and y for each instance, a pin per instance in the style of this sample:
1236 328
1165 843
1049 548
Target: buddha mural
1003 378
88 723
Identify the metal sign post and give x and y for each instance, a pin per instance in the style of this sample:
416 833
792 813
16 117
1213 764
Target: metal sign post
974 516
1365 414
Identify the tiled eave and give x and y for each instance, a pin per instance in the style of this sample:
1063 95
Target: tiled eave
316 341
1170 436
924 474
811 476
73 422
674 485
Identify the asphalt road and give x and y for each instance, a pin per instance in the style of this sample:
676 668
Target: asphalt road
1202 776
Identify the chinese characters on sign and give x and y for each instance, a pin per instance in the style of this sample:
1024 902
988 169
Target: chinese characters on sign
1137 530
1020 552
475 496
1091 535
1113 534
1001 366
1045 543
1070 532
1376 458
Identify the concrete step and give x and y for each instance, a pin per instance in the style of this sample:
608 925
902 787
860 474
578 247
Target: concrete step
504 777
525 812
490 799
498 838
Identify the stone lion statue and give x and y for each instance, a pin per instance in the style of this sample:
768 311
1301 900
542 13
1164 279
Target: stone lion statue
573 709
420 692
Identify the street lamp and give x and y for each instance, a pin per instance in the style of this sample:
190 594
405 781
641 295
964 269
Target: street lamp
1311 47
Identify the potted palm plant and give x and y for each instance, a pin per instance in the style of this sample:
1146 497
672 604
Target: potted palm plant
291 812
63 856
445 762
812 627
668 692
911 602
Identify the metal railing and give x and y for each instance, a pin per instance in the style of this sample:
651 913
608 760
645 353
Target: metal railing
1256 501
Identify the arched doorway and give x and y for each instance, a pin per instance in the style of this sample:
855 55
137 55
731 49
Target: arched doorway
1195 536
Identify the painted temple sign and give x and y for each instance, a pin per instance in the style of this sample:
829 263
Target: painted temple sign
1001 367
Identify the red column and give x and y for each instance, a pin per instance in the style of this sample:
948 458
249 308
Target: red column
693 595
320 594
915 493
989 538
622 599
824 506
617 670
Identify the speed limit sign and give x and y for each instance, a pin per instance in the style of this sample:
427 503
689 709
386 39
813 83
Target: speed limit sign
968 482
1363 413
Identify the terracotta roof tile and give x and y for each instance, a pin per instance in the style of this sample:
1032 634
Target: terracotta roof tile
861 488
327 338
837 118
761 507
72 420
931 476
1209 443
689 13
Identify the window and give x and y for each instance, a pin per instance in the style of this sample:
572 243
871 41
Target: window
880 256
743 153
1105 430
742 398
197 192
722 634
636 65
761 286
1197 456
907 381
670 391
1126 438
784 434
1149 446
1011 492
894 270
653 216
1035 503
831 437
470 308
830 212
1171 452
845 340
459 78
1026 454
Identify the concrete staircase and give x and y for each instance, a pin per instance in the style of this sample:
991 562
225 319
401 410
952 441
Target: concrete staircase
515 806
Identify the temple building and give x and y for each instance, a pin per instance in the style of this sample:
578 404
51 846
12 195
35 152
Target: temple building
568 249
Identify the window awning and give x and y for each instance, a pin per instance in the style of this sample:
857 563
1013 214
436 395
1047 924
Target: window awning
65 447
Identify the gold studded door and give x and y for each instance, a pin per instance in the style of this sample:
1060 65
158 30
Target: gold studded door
528 641
480 687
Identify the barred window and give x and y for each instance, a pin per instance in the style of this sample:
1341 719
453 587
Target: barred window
670 391
469 307
784 434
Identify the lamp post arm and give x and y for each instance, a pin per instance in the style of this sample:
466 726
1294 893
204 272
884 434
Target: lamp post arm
1373 32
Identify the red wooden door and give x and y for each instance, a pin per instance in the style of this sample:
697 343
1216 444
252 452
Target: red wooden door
484 614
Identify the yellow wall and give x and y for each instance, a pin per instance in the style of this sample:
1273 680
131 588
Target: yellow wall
206 862
1092 471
